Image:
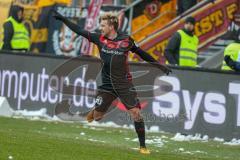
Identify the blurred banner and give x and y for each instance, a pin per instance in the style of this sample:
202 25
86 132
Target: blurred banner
149 16
37 19
41 3
61 40
91 24
210 106
37 14
212 22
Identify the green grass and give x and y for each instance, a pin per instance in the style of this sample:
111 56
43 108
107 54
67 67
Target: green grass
40 140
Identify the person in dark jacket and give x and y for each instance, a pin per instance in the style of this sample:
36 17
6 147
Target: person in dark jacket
231 59
184 5
15 35
182 47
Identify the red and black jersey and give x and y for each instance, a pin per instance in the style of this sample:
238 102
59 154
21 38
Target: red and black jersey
114 54
115 71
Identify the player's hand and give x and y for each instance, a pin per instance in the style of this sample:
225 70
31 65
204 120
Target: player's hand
165 69
57 15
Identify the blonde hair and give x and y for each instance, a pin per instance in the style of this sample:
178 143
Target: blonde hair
111 17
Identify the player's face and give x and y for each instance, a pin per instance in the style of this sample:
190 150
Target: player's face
105 28
189 27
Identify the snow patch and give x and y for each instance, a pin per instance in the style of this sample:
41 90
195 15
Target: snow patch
82 134
153 129
25 113
135 140
94 140
35 115
164 136
196 137
233 142
188 152
104 124
197 151
155 141
42 115
218 139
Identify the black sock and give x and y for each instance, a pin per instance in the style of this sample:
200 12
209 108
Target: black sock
140 129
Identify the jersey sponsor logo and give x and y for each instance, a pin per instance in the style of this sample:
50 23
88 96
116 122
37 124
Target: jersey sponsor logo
112 51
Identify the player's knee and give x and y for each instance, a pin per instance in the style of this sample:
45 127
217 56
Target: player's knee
135 114
137 118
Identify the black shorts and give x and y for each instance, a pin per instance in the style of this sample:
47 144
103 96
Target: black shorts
105 98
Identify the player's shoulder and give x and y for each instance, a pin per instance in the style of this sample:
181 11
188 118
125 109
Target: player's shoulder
124 36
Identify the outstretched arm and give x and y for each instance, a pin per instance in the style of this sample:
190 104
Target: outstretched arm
146 57
74 27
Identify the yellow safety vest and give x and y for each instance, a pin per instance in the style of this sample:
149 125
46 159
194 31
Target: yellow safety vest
188 50
20 39
1 37
233 50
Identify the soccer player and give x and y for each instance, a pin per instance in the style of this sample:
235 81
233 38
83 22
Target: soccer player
115 79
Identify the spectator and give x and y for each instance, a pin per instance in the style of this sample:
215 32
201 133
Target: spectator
184 5
16 36
182 47
232 56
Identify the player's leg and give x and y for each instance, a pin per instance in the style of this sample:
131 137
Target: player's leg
103 102
139 128
130 100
